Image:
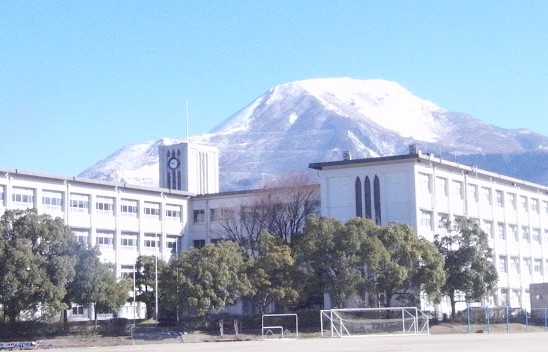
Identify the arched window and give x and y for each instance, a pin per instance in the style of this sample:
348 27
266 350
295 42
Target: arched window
377 197
358 191
367 191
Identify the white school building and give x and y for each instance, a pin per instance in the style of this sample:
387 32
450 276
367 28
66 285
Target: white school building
418 189
421 189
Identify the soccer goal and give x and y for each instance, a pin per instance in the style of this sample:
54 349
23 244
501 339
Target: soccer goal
373 321
280 326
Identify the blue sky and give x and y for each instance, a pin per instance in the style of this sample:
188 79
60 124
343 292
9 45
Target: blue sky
80 79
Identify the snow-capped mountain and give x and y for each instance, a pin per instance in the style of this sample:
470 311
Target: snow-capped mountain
316 120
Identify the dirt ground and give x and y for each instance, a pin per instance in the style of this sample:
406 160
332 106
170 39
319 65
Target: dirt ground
197 336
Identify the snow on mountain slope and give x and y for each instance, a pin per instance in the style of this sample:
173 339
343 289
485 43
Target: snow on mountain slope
296 123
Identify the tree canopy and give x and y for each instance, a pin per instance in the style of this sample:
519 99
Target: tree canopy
468 261
96 284
403 266
271 273
361 259
211 277
37 257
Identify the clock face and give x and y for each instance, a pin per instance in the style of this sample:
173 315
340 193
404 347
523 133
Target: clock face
173 163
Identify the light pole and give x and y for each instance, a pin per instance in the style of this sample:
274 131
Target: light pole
156 286
134 306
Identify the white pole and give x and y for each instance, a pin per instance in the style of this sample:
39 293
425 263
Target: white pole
156 285
134 306
186 101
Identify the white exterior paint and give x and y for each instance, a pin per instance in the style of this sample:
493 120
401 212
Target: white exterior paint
196 170
420 189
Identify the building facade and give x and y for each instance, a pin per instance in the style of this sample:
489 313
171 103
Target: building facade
187 211
421 190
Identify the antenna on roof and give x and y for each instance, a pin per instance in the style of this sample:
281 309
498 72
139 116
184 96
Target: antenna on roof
186 102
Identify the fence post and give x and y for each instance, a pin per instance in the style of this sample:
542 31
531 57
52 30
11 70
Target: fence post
545 320
507 320
468 316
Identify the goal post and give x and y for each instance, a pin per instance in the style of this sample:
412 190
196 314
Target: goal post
348 322
279 326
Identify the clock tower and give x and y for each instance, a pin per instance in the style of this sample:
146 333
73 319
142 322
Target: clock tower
189 167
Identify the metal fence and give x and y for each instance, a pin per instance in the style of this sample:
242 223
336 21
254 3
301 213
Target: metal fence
503 319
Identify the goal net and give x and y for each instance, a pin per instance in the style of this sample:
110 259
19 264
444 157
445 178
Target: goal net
373 321
280 326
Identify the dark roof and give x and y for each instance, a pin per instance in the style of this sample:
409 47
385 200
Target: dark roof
321 166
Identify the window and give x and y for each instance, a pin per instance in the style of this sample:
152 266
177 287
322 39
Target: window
129 207
486 195
152 210
528 265
105 238
500 198
523 202
503 265
171 243
525 234
535 206
473 192
442 220
23 197
424 180
537 266
129 239
2 192
358 196
514 232
511 201
199 243
127 271
457 190
152 240
514 265
81 235
79 202
503 297
52 200
173 212
367 195
441 186
501 231
488 228
546 266
199 215
377 199
545 239
426 220
77 310
104 205
535 234
545 207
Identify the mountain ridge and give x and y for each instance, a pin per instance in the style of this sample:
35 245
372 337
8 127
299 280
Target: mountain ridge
314 120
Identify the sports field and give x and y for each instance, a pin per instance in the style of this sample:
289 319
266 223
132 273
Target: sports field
518 342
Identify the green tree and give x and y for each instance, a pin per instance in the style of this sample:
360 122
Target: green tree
211 277
468 261
37 257
96 284
271 272
401 265
328 255
359 258
149 271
